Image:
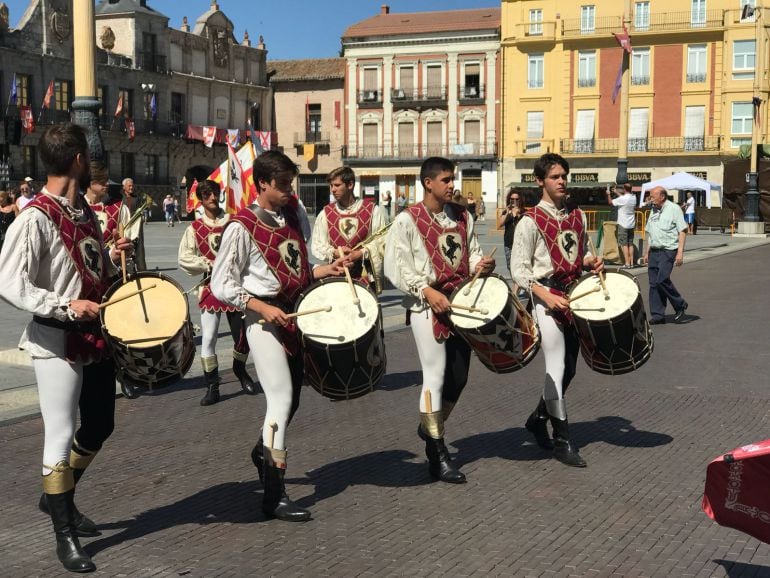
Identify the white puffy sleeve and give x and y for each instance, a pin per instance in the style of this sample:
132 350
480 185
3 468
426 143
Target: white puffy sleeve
523 252
400 266
230 266
190 259
320 246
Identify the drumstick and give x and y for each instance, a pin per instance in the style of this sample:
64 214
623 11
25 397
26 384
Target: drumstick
301 313
470 309
126 296
601 274
141 300
121 231
428 403
356 300
581 295
467 290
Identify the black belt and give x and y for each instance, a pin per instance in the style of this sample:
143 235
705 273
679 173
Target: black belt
549 282
73 326
661 249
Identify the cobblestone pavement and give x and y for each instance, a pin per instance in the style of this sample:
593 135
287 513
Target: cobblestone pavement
175 493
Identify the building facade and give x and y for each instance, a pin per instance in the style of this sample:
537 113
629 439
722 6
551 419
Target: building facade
309 97
157 85
691 87
418 85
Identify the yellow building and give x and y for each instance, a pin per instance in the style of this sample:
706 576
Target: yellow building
691 87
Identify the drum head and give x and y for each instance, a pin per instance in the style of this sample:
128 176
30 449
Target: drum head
166 307
488 293
346 321
623 292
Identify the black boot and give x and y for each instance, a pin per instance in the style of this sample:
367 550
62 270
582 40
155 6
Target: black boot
275 502
439 462
537 425
211 377
247 384
563 450
258 459
80 459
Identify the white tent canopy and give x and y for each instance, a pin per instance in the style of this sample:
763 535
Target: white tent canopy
681 182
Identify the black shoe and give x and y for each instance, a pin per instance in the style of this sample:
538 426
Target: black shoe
564 450
660 321
247 384
537 425
275 502
258 459
129 390
440 463
68 549
84 526
680 313
212 387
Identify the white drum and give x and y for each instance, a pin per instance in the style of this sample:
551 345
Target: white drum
343 348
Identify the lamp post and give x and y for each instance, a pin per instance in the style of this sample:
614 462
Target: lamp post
85 107
751 210
622 176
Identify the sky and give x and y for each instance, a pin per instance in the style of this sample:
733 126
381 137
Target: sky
291 28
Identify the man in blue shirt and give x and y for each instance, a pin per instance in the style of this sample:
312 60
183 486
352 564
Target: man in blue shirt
666 234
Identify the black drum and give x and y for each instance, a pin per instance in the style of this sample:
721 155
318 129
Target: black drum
343 348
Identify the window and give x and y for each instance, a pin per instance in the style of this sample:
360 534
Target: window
151 168
406 140
584 131
698 13
535 70
177 107
587 68
371 86
642 16
254 114
434 139
640 66
534 132
472 88
696 63
536 22
150 105
587 19
405 82
23 89
29 160
62 94
743 59
473 135
694 127
127 96
638 122
743 115
370 140
148 54
745 3
127 165
103 96
434 84
314 122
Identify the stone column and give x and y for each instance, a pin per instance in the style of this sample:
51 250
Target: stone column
352 137
452 100
85 107
490 102
387 105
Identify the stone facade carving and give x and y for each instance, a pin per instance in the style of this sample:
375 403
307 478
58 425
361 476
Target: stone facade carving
61 24
221 47
107 38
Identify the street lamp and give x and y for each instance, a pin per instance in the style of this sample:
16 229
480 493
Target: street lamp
751 209
85 107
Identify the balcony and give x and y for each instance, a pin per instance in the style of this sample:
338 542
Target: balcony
679 22
586 82
533 146
420 98
151 62
535 32
54 116
110 123
416 153
697 77
111 59
577 27
311 137
370 98
668 144
471 94
640 80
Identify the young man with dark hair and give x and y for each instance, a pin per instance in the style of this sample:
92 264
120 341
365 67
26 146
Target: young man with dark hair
346 223
58 271
261 268
197 253
431 249
626 205
550 252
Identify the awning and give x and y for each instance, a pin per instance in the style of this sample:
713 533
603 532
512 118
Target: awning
596 185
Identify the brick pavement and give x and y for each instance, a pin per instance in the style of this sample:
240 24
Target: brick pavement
176 495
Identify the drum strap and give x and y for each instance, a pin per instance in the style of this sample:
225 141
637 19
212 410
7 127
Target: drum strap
84 341
266 218
74 326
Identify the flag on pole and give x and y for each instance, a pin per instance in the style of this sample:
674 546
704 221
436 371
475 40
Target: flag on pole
12 98
233 137
747 12
245 157
154 106
309 151
192 198
264 139
235 185
209 134
48 96
27 119
618 83
253 137
623 39
119 107
131 129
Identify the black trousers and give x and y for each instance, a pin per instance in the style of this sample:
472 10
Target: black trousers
97 405
458 359
238 331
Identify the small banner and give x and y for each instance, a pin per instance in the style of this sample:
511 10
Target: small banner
131 129
27 119
309 152
209 135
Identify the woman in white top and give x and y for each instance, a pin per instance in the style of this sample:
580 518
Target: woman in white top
689 213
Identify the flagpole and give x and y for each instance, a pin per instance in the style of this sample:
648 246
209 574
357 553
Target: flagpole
622 176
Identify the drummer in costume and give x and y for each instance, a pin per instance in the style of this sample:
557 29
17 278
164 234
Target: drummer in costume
431 249
549 253
197 252
57 271
261 268
106 214
347 223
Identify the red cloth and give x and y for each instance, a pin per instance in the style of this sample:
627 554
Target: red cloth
207 240
351 229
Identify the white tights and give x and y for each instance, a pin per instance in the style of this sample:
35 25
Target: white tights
209 331
432 356
58 386
553 346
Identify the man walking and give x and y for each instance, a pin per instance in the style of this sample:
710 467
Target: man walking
666 235
626 204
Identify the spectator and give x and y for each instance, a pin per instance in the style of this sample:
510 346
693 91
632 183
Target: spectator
689 212
130 205
471 205
169 210
31 182
626 204
26 195
8 212
386 200
401 202
459 199
481 208
509 218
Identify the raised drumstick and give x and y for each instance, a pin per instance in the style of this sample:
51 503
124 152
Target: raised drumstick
583 294
469 309
301 313
356 300
601 275
124 297
467 290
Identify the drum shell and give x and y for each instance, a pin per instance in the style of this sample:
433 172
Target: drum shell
155 366
619 344
344 370
507 342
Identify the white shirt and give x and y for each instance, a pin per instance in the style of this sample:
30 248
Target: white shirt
190 259
240 270
407 263
321 246
690 206
23 201
37 275
626 204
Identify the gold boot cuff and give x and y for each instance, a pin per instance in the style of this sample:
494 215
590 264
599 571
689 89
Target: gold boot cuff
238 356
446 408
60 480
432 424
209 363
276 458
80 458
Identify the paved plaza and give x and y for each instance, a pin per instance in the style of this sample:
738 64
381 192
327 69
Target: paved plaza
175 494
